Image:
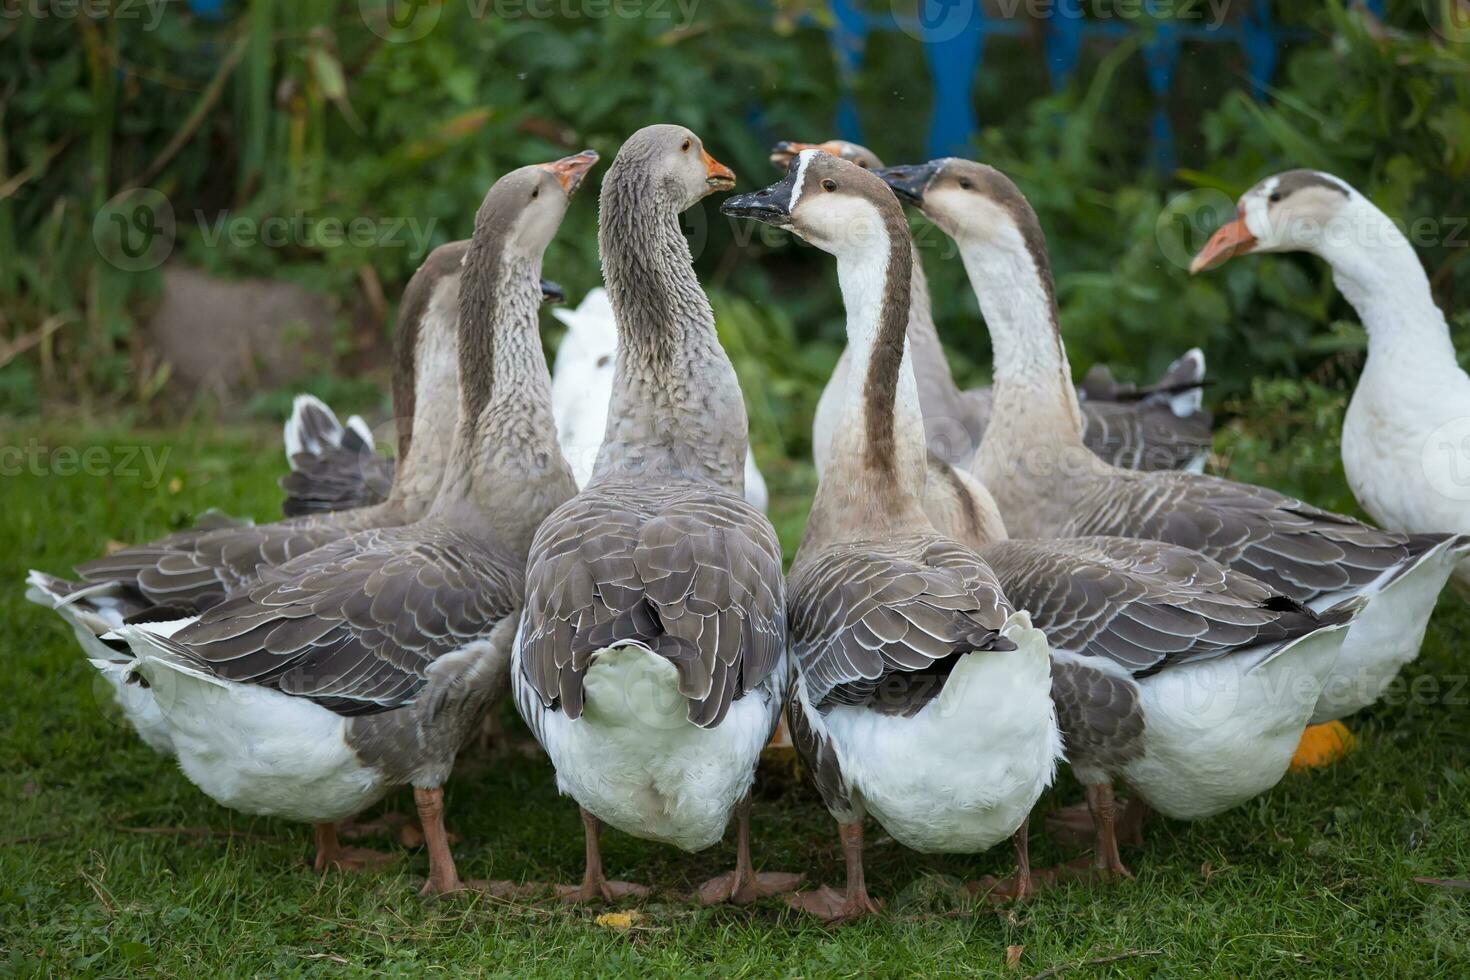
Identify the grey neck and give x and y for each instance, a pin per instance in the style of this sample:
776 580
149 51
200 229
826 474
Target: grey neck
426 399
676 411
506 472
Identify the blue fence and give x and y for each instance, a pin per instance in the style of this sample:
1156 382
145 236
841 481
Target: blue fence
955 32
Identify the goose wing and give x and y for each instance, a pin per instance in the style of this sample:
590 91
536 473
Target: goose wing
357 625
881 625
1290 546
198 569
1143 435
1142 604
693 575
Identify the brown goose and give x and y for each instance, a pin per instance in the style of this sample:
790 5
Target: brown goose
338 467
1048 484
651 658
922 697
1161 427
365 664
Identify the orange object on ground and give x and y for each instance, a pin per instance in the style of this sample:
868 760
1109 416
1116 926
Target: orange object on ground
1322 745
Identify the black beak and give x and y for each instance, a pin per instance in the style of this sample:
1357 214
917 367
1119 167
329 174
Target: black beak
552 292
908 182
769 204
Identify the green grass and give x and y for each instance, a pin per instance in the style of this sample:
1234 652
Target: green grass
1316 876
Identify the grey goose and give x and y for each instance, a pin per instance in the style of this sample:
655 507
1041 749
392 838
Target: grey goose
1161 427
922 697
337 466
651 657
365 664
1048 485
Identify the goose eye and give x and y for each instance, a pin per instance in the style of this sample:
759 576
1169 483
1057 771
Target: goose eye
536 193
685 147
828 184
863 164
1275 196
965 183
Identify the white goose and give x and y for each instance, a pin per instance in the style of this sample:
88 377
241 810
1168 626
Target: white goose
1404 440
365 664
1048 485
922 697
651 659
582 384
1161 427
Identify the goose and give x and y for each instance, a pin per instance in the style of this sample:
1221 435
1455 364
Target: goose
177 576
336 466
364 665
650 661
921 696
1048 485
1403 435
582 384
1161 427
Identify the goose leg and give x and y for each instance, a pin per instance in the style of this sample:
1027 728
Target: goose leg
827 903
1130 825
1020 887
1105 859
743 885
594 883
331 854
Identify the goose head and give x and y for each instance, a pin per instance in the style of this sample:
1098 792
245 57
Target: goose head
678 170
836 205
1294 211
786 151
973 203
525 208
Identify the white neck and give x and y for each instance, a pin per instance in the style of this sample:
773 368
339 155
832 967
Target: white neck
1035 403
861 490
1378 272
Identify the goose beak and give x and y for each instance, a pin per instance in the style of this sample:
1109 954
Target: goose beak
717 176
909 182
1227 242
569 171
771 205
785 151
552 292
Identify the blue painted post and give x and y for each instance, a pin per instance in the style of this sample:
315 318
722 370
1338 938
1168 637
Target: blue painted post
954 38
849 37
1258 42
1161 57
1063 47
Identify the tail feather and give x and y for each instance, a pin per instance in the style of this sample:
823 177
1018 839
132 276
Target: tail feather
312 428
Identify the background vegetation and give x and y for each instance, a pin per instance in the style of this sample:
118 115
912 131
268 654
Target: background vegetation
110 862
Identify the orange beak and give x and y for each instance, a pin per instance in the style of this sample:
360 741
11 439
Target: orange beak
718 176
569 171
1227 242
785 151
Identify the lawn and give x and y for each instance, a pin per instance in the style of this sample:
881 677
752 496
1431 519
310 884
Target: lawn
112 863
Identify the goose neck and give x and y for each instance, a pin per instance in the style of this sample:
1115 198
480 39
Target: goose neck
875 479
1034 397
677 412
1378 272
506 434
